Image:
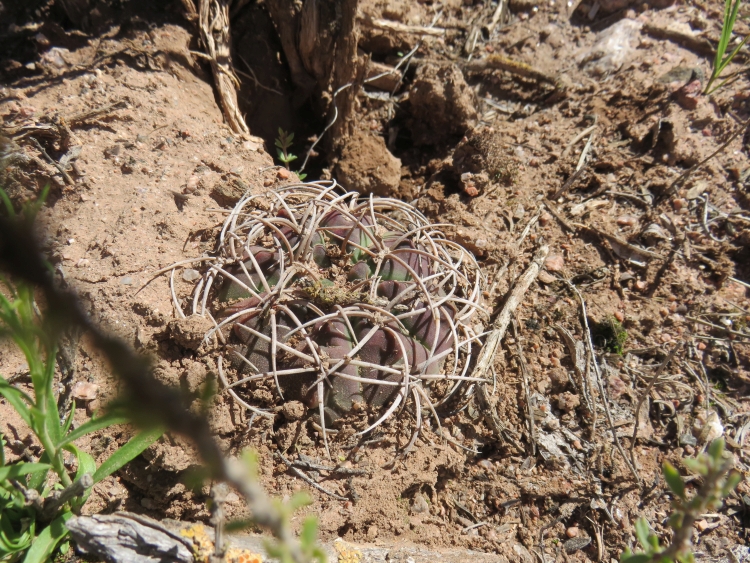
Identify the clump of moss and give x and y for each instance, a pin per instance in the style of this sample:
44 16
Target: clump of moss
610 335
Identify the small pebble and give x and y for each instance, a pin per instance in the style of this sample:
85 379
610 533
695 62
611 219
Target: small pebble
664 312
619 316
267 182
190 275
546 277
419 505
92 407
572 532
127 280
701 346
372 532
85 391
554 263
678 203
283 174
640 285
544 219
701 525
627 220
666 337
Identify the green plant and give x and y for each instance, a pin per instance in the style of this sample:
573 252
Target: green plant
731 8
610 335
37 498
719 480
283 144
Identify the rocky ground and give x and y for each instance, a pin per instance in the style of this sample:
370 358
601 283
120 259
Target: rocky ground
583 128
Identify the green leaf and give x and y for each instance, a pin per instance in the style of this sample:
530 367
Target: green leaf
86 464
301 175
128 452
642 531
673 479
17 400
299 500
45 543
8 205
20 469
635 558
290 158
290 138
309 532
109 419
39 480
716 449
694 465
733 479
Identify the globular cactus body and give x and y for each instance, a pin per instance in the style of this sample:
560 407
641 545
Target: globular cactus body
342 301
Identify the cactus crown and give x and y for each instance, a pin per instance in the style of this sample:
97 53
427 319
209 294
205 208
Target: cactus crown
343 303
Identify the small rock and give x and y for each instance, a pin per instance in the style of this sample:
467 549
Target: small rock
546 277
127 280
666 338
544 219
572 532
372 532
293 410
575 544
189 332
192 183
619 316
567 401
92 407
641 285
419 505
85 391
554 263
701 525
283 174
678 203
689 95
233 497
627 220
190 275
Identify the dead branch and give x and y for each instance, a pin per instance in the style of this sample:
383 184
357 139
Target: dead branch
215 34
500 325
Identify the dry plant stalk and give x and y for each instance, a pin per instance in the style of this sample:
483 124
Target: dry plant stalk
346 305
214 28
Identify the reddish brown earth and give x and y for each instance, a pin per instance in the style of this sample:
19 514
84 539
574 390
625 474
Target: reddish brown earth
484 150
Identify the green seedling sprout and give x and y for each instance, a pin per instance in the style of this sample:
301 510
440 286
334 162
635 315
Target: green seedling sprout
283 144
731 8
719 480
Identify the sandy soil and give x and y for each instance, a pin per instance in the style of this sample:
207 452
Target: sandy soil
492 153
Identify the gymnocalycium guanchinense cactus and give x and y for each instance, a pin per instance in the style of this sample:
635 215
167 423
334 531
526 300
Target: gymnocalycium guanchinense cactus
344 303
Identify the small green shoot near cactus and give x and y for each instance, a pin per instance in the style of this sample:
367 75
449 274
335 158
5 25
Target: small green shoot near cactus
719 480
610 335
283 144
731 7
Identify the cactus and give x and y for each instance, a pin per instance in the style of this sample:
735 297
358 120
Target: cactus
345 304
